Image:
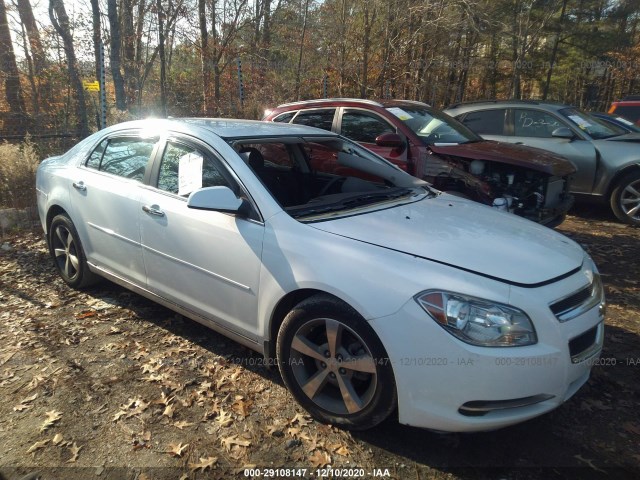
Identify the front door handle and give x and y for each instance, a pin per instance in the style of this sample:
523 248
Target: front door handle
79 186
152 210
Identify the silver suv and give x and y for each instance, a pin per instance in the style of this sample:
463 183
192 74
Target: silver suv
606 156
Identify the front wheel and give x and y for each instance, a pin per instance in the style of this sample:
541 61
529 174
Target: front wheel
67 253
625 199
335 365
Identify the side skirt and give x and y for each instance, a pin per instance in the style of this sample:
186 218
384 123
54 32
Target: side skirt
236 337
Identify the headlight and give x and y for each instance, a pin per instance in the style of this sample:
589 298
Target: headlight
478 322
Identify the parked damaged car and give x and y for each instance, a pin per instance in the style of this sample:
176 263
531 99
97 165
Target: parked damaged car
432 146
607 157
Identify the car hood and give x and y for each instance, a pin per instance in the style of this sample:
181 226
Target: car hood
629 137
520 155
467 236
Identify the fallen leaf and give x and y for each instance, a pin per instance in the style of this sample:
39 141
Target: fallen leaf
177 450
342 450
57 439
119 415
319 459
203 464
75 450
224 419
37 445
228 442
182 424
300 419
52 417
29 399
168 411
241 406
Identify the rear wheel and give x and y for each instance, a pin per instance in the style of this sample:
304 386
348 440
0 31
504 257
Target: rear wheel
67 253
335 365
625 199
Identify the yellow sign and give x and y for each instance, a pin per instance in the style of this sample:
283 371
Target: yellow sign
91 86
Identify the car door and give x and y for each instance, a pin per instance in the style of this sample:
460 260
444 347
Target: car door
364 127
206 261
534 128
105 201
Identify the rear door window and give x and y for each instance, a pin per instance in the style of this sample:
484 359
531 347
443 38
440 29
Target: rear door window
125 157
319 118
486 122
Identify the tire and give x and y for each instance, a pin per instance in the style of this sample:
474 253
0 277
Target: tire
625 199
335 365
68 254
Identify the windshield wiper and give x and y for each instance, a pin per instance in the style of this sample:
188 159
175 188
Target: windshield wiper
351 201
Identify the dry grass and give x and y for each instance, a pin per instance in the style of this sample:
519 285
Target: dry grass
18 163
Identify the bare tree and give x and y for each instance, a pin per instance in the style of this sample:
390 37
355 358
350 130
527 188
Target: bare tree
60 21
9 69
114 54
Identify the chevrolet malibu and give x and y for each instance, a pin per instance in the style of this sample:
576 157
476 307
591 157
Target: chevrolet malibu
373 292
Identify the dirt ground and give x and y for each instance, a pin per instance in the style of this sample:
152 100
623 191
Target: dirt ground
105 384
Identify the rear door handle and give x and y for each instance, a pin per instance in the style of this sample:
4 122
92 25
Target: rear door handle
152 210
79 186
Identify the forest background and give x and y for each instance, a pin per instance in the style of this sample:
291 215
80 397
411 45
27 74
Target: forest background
238 57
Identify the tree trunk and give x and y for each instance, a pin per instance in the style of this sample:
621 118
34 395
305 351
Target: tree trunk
114 55
266 24
163 60
9 67
369 19
304 31
97 35
35 44
204 57
554 51
60 22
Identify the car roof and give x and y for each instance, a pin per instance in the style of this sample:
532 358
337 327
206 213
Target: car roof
334 102
510 103
229 128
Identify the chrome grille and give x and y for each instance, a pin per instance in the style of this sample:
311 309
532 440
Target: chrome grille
579 302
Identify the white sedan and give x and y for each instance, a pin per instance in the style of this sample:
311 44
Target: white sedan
372 291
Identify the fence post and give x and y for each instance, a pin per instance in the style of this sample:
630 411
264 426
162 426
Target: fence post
103 92
240 83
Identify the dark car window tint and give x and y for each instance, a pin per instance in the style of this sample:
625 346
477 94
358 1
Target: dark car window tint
630 112
316 118
364 127
184 169
533 123
96 156
486 122
286 117
127 157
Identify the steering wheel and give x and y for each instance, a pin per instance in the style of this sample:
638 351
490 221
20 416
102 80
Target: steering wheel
330 184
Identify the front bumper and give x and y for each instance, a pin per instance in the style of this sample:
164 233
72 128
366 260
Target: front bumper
448 385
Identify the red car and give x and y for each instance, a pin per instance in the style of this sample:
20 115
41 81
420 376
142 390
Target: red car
431 145
628 107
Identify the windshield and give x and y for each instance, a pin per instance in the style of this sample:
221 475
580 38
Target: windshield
592 126
434 127
316 177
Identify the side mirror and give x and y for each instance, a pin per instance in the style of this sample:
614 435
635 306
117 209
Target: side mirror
219 199
563 132
392 140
